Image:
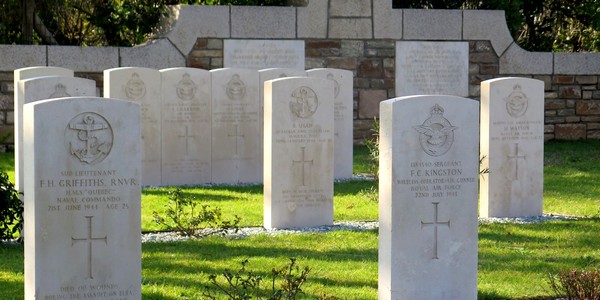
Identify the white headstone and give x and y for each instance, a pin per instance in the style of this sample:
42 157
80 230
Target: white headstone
512 142
235 126
428 198
141 85
298 174
186 126
22 74
440 68
82 206
41 88
262 54
265 75
343 115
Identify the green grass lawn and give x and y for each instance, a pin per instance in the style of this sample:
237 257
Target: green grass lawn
514 260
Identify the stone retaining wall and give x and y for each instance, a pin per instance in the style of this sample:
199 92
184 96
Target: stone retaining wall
355 35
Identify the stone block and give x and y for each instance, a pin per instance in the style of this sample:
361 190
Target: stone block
554 104
312 20
517 61
432 24
426 68
348 63
570 132
547 79
368 103
487 25
155 54
387 22
563 79
586 79
84 59
262 54
351 48
22 56
483 57
548 128
185 23
576 63
489 69
370 68
587 108
263 22
350 28
350 8
569 92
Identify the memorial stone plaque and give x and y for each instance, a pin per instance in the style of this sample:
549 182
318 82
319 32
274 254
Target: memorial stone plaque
298 174
512 142
262 54
186 126
22 74
235 126
41 88
343 81
82 206
428 198
141 85
424 68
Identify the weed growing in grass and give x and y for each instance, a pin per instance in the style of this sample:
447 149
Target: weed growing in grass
372 145
11 209
576 284
286 283
183 217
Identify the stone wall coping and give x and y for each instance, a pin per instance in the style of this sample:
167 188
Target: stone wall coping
176 36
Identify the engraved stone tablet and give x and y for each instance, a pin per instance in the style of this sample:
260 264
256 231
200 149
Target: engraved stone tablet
512 142
186 126
439 68
262 54
82 206
298 174
235 126
141 85
428 198
22 74
342 110
41 88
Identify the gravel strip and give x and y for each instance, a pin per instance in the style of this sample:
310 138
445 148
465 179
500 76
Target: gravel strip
350 226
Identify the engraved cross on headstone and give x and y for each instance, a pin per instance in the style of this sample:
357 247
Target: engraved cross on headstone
435 223
187 137
89 239
516 157
303 161
236 135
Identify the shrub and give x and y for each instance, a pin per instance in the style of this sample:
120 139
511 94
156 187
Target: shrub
183 216
372 145
576 284
286 283
11 209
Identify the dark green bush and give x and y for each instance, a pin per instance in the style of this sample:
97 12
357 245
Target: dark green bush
11 209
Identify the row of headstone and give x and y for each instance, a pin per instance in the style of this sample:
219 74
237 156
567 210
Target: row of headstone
230 100
185 108
429 174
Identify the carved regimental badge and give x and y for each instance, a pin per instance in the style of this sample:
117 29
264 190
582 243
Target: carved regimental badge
303 102
59 91
236 88
135 88
436 134
516 102
89 138
186 88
